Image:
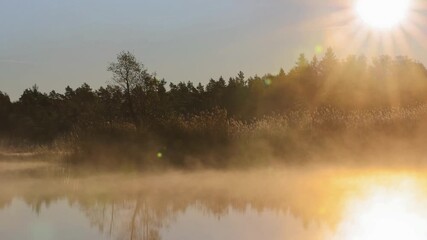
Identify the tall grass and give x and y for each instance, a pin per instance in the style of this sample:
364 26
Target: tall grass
213 139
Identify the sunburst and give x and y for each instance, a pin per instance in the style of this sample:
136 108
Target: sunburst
373 27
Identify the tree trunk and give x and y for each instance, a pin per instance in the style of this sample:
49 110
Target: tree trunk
130 105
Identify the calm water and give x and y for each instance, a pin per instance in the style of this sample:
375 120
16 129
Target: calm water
309 203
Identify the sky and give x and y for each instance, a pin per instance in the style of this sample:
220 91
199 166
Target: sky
54 43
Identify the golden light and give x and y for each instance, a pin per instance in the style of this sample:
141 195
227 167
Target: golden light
386 212
370 27
382 13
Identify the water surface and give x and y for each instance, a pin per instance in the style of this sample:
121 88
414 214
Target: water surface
316 203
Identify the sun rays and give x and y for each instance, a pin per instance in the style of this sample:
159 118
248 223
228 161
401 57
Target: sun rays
373 27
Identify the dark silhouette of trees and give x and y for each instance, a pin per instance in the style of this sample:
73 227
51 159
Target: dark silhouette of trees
194 118
5 108
129 74
35 116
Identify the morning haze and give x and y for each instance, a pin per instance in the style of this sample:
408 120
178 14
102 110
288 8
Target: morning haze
221 120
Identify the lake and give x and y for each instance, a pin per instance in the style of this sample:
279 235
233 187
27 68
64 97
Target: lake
40 201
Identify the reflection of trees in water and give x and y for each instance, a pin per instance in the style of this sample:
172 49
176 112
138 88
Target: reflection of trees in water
138 218
143 216
146 221
37 202
137 209
4 202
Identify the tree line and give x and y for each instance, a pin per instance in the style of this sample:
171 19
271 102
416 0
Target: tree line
139 101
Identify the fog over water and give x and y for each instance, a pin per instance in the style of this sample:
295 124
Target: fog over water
213 120
42 201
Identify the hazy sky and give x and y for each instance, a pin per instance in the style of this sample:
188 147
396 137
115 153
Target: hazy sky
55 43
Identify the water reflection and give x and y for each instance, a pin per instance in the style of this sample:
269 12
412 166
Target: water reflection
263 204
392 211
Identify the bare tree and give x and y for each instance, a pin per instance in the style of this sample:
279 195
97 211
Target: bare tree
128 73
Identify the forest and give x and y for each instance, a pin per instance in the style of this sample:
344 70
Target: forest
322 108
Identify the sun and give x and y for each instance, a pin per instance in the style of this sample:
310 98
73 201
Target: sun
372 27
382 14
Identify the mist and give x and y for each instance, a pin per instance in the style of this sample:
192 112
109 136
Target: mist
304 154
